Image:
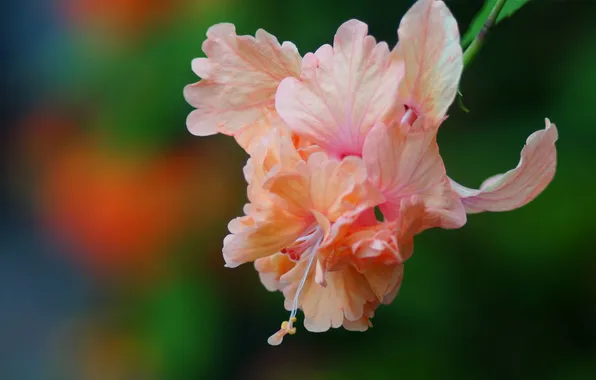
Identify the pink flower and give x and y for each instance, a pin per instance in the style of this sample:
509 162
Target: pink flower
350 128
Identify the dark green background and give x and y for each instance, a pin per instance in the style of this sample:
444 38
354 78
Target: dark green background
508 296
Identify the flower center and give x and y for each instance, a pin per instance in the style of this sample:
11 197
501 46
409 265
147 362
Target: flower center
296 249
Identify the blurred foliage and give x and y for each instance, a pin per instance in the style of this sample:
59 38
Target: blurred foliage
103 170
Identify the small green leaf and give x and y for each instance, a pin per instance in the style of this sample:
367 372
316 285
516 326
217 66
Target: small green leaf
460 102
510 7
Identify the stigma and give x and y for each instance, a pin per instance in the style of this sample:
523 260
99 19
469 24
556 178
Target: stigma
287 327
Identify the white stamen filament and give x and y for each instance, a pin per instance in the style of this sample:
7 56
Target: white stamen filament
313 254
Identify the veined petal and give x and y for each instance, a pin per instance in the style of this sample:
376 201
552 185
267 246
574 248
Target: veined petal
239 79
429 45
342 92
519 186
403 165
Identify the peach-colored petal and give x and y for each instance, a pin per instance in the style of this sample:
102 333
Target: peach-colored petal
364 322
271 268
390 296
372 246
323 223
260 235
403 165
429 45
251 136
292 192
383 243
342 92
344 297
340 192
340 187
274 153
521 185
384 279
332 188
305 147
239 79
413 219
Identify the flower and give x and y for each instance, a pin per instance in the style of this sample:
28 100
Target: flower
335 136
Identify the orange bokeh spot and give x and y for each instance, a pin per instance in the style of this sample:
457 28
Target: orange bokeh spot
119 210
128 16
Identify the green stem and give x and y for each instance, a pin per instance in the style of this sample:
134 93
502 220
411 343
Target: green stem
478 41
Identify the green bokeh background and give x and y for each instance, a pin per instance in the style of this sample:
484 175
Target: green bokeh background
509 296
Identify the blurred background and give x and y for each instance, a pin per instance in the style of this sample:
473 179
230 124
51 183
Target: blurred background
112 215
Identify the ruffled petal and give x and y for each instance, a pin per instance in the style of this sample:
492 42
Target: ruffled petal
292 192
344 297
260 235
342 92
429 45
383 280
387 243
273 153
364 322
371 246
271 268
239 79
404 165
519 186
341 187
